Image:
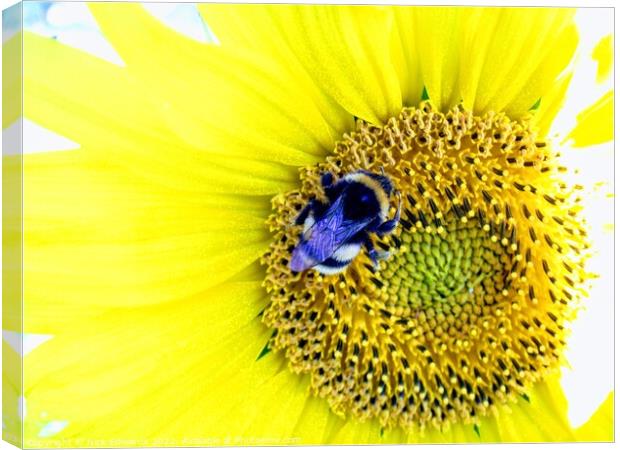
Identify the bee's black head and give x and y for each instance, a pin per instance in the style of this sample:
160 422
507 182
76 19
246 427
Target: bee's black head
360 202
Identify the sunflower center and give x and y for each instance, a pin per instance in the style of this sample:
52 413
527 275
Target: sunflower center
442 271
468 309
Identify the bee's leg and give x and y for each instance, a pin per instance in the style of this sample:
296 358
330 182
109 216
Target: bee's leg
372 251
387 227
303 215
390 225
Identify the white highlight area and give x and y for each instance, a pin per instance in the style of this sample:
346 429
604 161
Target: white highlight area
73 24
36 139
21 407
590 352
590 349
39 139
52 428
64 14
182 18
30 340
593 24
12 135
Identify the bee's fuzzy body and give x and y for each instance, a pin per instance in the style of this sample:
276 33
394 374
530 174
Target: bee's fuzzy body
335 232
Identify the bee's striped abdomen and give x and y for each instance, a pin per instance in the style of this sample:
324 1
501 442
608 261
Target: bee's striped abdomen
347 252
341 258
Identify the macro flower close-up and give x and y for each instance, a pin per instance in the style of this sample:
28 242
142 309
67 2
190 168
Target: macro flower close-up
321 225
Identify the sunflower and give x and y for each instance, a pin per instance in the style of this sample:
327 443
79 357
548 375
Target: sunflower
157 254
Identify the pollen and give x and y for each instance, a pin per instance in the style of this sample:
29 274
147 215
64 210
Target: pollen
484 270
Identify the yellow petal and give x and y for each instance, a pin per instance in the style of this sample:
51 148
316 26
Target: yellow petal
250 27
130 357
84 98
429 37
345 50
603 55
551 103
542 417
312 421
12 234
354 432
214 315
102 237
600 427
210 420
268 413
492 59
224 103
405 57
546 53
595 123
94 94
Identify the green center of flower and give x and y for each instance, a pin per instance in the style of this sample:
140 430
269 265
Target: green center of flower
445 271
469 308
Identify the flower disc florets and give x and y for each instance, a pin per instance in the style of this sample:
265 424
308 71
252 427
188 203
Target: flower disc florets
469 309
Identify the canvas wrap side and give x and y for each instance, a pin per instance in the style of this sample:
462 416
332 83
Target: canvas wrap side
12 225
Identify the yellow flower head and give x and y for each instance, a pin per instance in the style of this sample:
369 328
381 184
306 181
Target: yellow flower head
468 311
158 254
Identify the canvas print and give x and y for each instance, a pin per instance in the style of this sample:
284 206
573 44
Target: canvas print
237 225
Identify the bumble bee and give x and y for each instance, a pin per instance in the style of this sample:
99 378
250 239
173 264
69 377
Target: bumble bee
335 231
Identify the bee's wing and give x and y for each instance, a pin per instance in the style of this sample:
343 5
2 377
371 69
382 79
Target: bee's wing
330 232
